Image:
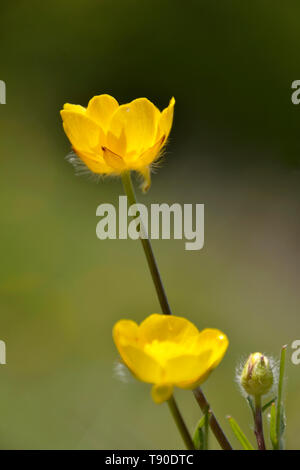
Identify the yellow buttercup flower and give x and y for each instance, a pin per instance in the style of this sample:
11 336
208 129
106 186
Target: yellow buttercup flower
111 139
169 351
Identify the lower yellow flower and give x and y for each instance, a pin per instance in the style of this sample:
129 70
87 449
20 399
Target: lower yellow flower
169 351
111 139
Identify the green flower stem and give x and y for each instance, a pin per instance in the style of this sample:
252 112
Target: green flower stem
162 297
180 424
199 395
259 433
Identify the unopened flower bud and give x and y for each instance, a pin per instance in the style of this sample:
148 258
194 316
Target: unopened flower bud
257 376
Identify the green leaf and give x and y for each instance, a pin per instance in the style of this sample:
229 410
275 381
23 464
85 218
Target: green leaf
267 405
281 427
280 415
246 444
198 437
273 435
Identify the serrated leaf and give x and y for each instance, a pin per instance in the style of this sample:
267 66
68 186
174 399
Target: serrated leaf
246 444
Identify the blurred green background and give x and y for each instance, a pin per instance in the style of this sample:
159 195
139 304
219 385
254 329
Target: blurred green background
235 146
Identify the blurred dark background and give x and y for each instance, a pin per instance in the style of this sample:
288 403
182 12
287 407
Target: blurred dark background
235 147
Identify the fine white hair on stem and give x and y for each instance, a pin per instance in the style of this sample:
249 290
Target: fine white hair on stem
274 364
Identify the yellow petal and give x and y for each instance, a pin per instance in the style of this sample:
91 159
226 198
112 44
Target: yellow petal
217 341
125 332
161 393
184 370
151 154
101 109
77 108
166 120
133 127
113 160
145 368
214 343
83 133
94 162
167 327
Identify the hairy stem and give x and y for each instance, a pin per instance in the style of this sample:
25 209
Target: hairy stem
163 300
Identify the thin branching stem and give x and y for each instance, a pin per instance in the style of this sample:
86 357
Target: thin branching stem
163 300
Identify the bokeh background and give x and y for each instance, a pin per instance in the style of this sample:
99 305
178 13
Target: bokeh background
235 146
